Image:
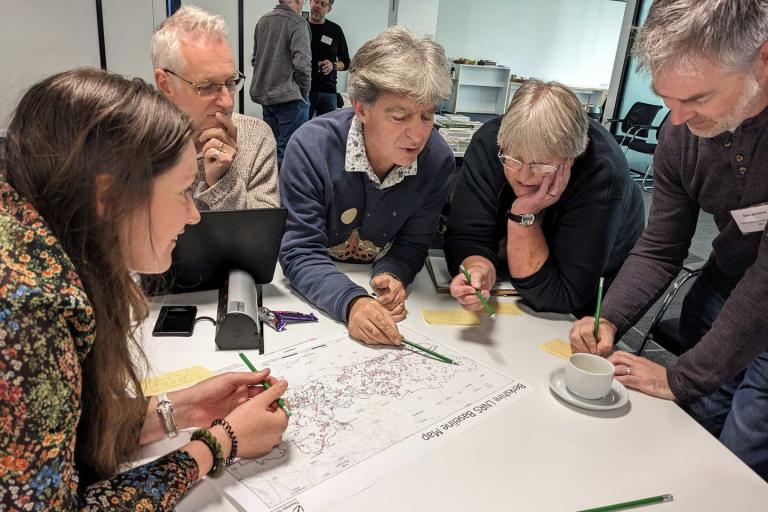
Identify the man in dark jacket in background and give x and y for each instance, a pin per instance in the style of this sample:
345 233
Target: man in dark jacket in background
329 55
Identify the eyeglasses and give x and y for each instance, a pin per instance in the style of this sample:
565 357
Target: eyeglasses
208 90
516 165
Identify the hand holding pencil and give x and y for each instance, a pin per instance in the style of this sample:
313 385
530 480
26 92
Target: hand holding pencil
593 334
472 286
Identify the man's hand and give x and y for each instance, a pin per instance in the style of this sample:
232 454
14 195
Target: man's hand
371 323
483 276
582 336
641 374
219 148
326 66
390 294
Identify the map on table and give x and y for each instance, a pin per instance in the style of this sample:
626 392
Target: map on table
359 413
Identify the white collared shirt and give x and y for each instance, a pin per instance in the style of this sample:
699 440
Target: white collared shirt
356 159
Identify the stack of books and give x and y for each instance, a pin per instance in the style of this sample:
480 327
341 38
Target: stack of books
457 130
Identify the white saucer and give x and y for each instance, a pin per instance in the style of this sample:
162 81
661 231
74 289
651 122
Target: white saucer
613 400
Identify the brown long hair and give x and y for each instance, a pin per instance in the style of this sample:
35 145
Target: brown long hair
67 130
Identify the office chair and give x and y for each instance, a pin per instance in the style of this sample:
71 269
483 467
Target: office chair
665 331
636 123
648 148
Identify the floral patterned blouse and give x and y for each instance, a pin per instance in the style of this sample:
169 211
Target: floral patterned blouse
47 327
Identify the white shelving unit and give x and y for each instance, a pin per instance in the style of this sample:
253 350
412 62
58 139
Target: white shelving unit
587 95
479 89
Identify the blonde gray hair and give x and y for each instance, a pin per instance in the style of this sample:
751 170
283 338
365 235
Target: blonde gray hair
189 21
544 121
396 61
727 32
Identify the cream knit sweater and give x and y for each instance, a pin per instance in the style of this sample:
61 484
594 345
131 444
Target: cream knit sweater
251 181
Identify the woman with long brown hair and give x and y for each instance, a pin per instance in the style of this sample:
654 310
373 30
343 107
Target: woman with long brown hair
97 185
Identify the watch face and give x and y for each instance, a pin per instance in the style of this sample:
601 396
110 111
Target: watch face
526 219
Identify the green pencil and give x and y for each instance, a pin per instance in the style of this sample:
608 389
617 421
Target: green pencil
267 385
632 504
483 300
599 305
430 352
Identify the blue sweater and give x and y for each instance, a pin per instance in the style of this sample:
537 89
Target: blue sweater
317 190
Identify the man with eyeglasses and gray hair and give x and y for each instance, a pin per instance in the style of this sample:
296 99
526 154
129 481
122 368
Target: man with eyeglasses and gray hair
366 185
708 61
237 166
552 189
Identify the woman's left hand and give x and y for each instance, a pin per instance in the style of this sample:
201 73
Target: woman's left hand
641 374
549 192
216 397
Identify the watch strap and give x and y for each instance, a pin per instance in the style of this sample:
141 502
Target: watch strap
526 219
165 410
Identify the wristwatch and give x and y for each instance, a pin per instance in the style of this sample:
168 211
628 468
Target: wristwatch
525 220
165 410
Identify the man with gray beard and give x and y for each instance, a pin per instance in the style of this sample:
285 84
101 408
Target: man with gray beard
709 62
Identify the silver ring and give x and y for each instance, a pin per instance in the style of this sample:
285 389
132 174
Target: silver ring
216 156
629 371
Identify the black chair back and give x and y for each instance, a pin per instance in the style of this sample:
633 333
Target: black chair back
640 114
642 145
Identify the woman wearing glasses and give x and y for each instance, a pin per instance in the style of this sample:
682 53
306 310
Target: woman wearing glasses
555 188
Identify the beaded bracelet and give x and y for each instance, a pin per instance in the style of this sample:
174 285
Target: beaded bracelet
231 433
212 443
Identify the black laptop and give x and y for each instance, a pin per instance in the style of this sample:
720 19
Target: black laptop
248 240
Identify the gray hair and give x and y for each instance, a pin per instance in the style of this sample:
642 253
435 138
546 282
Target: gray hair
398 62
728 32
189 21
544 120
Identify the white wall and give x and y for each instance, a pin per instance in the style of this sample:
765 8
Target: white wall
128 28
419 15
39 38
360 20
571 41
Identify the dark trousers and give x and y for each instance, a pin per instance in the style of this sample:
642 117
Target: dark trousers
284 119
321 103
737 413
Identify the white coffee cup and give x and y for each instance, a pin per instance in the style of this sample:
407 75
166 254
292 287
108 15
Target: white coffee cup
588 376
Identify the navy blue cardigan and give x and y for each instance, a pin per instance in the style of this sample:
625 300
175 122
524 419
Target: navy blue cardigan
316 190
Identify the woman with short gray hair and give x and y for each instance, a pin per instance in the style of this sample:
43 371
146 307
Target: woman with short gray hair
556 186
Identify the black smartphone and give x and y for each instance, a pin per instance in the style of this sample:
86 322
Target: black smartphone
175 321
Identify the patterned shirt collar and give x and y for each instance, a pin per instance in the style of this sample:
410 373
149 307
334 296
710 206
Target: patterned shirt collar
356 159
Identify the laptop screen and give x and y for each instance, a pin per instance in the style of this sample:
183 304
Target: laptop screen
247 240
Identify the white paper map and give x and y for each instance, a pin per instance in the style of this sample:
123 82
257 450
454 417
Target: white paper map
359 413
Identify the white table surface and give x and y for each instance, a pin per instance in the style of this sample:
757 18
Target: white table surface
537 454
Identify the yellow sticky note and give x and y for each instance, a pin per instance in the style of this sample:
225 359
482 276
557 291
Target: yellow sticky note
556 347
450 317
175 380
506 308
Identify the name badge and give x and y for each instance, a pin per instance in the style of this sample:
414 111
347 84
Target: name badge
326 40
752 219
